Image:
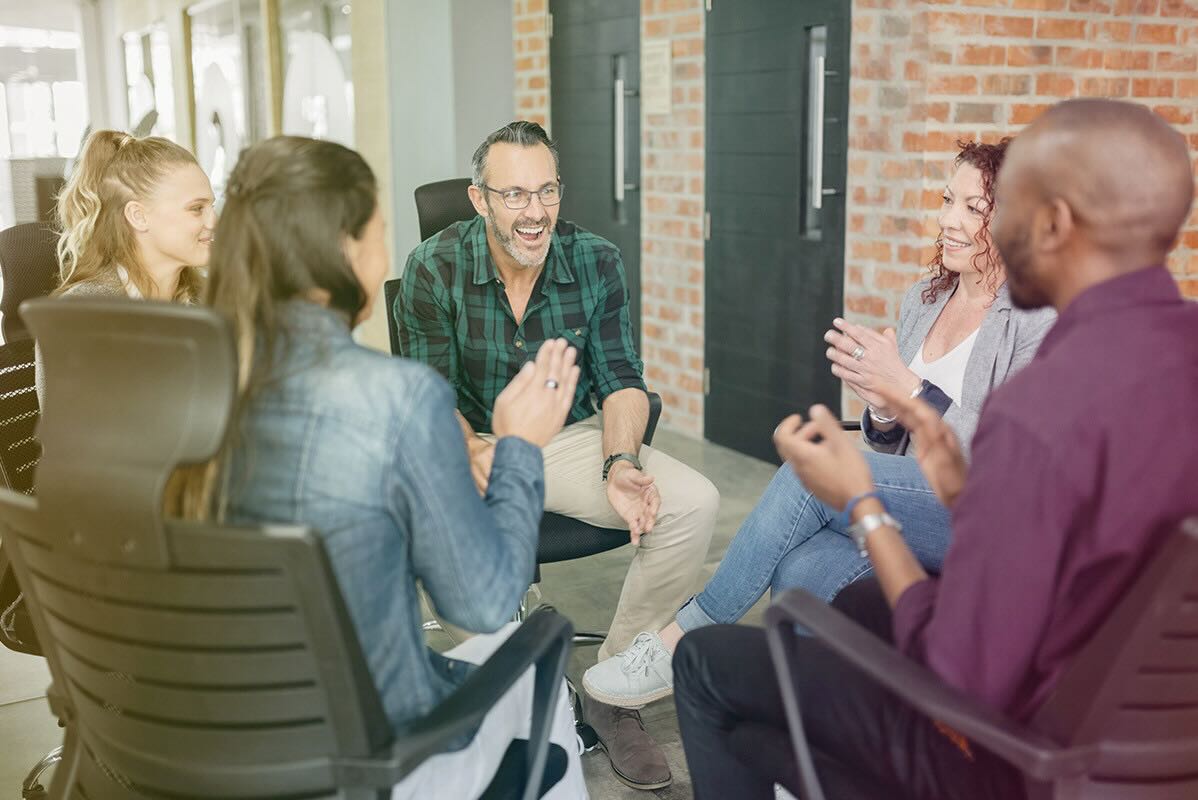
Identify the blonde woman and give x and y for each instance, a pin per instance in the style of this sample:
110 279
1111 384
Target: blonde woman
136 220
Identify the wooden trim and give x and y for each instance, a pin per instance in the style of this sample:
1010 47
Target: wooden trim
189 77
274 63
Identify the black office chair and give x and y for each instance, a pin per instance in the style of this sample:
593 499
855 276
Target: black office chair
29 266
440 204
198 659
29 263
1121 722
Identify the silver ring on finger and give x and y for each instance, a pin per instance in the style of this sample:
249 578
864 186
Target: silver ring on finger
858 352
551 384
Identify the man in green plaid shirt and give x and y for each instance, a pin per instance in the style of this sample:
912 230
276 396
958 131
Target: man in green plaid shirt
477 301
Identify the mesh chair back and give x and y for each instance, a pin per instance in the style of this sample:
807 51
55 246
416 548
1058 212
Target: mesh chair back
19 448
19 454
29 265
188 659
440 204
1132 691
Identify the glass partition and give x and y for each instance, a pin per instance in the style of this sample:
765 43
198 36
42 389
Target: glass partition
149 82
229 100
318 93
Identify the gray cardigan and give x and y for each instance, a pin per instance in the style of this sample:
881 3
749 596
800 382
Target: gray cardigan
1007 340
107 285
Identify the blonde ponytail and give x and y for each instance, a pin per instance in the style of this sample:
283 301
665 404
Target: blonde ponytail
79 204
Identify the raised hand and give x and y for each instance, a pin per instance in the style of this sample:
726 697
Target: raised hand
830 466
534 405
869 362
936 447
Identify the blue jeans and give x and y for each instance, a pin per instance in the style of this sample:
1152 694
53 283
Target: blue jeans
791 539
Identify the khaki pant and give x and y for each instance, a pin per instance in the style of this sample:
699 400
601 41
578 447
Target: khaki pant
666 565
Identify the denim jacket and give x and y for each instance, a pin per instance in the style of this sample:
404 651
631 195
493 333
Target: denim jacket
364 449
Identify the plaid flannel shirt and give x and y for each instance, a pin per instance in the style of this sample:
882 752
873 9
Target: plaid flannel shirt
454 315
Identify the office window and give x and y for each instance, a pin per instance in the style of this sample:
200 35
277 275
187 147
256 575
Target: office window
229 102
44 103
149 82
318 93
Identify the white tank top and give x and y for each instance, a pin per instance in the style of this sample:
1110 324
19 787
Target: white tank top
948 371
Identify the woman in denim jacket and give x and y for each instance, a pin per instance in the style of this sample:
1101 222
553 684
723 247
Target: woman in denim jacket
364 448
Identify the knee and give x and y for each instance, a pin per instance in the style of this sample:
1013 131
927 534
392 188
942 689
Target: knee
788 484
704 497
690 506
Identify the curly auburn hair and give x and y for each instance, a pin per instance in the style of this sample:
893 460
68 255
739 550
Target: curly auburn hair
987 158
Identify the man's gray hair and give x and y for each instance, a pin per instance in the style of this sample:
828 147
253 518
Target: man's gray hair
521 132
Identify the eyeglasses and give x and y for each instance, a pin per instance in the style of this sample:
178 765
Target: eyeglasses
517 199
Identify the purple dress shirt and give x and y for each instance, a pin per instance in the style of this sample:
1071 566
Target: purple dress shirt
1082 463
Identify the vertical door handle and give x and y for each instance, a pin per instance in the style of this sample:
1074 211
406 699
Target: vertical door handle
618 92
817 156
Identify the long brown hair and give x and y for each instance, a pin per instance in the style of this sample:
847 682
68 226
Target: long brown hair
987 158
94 236
289 205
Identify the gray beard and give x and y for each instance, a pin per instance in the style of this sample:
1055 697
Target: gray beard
508 244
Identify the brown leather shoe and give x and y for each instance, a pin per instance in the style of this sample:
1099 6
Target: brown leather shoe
635 757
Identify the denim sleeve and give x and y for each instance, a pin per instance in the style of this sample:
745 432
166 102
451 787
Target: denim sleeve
475 556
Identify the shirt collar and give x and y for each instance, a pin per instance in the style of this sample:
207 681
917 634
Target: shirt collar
557 269
1144 287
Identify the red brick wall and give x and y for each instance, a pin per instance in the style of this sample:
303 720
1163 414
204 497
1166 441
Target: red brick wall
672 172
924 74
530 45
671 197
927 74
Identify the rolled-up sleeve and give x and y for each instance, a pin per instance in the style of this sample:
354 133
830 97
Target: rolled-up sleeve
611 358
979 625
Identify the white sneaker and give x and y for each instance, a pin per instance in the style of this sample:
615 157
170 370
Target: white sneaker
635 677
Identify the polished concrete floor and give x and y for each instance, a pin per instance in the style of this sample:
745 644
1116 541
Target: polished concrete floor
584 590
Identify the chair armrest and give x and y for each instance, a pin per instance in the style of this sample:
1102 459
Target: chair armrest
1034 753
850 424
542 640
654 416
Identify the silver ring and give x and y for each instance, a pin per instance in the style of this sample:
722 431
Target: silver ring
551 384
859 352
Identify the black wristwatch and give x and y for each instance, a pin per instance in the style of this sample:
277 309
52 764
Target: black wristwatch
614 457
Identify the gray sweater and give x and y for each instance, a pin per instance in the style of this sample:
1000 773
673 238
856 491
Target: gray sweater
108 285
1007 340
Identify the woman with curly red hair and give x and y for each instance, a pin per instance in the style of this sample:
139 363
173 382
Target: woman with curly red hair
958 338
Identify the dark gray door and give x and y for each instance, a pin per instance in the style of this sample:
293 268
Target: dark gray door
594 75
776 160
